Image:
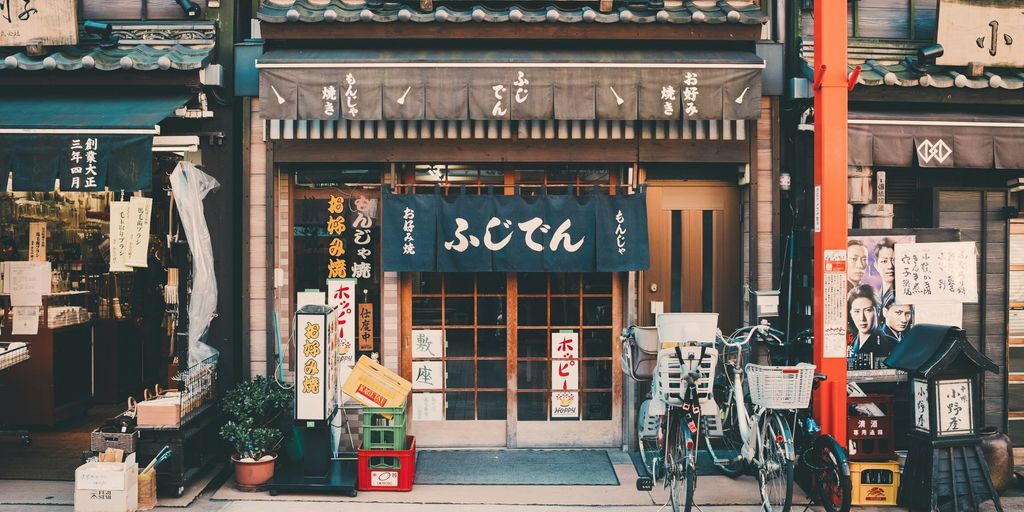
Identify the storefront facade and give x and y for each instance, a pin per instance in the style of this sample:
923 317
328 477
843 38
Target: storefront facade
934 156
505 311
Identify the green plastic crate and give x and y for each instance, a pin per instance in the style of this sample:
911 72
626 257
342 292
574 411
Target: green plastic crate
385 463
382 433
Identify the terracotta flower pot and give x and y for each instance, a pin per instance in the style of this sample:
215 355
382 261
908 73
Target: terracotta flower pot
253 474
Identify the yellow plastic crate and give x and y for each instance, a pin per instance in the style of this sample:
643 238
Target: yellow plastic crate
875 483
375 386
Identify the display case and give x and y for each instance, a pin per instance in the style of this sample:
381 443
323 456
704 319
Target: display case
57 382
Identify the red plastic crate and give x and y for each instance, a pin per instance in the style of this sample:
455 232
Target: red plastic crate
388 470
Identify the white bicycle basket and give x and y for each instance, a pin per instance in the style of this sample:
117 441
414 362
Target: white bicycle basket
669 384
780 387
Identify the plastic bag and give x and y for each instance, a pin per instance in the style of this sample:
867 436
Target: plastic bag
190 186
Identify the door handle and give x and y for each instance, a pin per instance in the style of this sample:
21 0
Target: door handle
654 288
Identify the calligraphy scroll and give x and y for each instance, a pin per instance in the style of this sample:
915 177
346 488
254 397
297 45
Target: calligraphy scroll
943 272
49 22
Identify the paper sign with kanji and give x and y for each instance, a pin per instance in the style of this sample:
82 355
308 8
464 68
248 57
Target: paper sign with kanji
427 375
427 344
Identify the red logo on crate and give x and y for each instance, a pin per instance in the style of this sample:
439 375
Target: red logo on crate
875 494
384 478
371 395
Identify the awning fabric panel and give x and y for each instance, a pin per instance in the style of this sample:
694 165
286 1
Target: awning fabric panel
88 143
483 85
936 140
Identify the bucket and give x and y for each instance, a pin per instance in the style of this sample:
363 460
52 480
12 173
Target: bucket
147 490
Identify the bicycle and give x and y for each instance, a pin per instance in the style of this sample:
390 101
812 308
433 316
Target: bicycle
669 424
758 435
823 469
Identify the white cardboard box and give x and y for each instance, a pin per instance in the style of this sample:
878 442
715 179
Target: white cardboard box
107 486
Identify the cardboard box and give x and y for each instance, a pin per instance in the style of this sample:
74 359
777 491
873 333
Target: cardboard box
162 411
375 386
107 486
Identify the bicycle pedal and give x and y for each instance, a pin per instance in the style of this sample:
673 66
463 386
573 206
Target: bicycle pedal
644 483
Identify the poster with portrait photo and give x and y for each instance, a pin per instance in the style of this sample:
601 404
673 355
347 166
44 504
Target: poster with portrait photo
875 322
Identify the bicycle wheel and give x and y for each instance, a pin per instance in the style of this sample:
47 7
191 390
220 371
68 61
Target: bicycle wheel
680 465
775 464
725 448
647 440
832 487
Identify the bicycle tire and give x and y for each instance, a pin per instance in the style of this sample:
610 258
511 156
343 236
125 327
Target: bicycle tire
828 476
681 470
775 464
729 445
648 447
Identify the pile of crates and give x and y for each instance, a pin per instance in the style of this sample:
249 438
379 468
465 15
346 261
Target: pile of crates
874 468
387 457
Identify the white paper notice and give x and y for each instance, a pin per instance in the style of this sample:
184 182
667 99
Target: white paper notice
119 213
939 314
835 303
428 406
37 241
427 343
314 298
26 321
427 375
139 212
27 282
936 273
565 404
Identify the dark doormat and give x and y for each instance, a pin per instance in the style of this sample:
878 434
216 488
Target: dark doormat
515 467
705 464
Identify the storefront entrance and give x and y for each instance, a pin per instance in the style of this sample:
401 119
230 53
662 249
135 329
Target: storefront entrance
496 362
695 254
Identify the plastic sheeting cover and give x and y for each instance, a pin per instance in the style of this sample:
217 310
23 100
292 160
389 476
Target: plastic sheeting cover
190 186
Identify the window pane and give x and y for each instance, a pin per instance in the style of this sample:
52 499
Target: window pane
533 311
491 405
597 406
491 342
565 283
533 343
426 282
533 406
565 312
1016 359
490 311
458 283
597 343
1016 398
491 374
426 311
597 311
459 405
1016 431
460 342
458 311
460 374
597 374
533 375
490 282
597 283
533 283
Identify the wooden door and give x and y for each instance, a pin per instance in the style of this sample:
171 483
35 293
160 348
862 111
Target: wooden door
694 230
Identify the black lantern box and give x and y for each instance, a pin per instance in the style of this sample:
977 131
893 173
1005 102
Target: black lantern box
945 468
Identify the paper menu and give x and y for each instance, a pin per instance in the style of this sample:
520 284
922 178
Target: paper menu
27 282
137 231
120 212
25 320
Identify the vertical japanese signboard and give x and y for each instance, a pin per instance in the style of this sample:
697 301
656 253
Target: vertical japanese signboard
37 241
139 213
48 22
341 295
119 220
835 303
565 375
311 330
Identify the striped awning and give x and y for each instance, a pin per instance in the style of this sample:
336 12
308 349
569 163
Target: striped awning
373 85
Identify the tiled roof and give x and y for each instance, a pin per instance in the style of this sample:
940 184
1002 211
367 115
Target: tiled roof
894 65
699 11
140 57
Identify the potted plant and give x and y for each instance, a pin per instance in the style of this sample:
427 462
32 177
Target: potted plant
252 408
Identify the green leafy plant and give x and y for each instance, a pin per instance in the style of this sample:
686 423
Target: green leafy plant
252 407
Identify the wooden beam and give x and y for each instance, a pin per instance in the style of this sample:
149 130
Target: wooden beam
582 151
100 78
511 31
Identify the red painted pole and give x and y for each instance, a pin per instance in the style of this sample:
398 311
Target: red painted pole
830 199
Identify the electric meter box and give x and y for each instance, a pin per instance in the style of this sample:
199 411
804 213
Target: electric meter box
316 373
